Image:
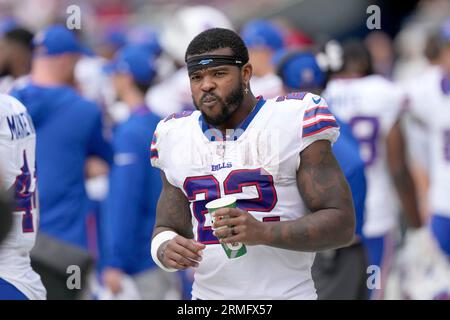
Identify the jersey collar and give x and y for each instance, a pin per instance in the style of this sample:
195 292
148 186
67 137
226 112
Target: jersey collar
214 134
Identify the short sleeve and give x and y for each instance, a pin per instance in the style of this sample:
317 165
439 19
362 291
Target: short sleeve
168 144
154 148
318 122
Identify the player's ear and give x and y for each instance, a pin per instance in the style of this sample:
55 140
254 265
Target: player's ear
247 71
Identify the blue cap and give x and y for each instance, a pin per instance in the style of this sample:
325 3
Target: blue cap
56 40
135 60
7 24
262 33
114 36
299 70
445 31
147 37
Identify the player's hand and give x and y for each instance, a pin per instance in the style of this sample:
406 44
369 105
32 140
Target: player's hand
112 278
181 253
240 226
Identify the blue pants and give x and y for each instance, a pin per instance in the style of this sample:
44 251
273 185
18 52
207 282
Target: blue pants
380 252
9 292
440 227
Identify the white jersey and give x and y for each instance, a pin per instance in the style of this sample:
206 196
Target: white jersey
257 164
416 131
8 83
93 83
18 175
172 95
268 86
371 105
429 103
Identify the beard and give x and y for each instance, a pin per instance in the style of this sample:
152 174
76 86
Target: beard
227 106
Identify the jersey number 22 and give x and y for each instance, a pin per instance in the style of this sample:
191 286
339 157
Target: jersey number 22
233 184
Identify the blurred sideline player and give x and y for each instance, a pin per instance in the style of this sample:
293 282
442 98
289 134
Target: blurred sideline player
95 85
432 96
15 57
415 131
274 156
134 187
340 273
372 106
263 38
18 281
186 23
69 129
379 44
69 132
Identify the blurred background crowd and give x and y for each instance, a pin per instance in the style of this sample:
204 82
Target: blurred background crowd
96 93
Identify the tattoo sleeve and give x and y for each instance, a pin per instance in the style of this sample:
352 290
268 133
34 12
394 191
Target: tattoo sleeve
172 211
326 194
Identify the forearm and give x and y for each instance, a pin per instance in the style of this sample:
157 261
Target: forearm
173 212
406 190
185 233
401 176
322 230
327 195
163 223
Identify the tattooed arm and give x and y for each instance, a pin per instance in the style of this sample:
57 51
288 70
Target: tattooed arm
172 211
325 192
173 214
331 223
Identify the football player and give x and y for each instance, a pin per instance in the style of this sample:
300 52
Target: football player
18 281
274 156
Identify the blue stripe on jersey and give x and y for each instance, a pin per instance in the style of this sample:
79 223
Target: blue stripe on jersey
244 124
10 292
317 111
318 126
440 227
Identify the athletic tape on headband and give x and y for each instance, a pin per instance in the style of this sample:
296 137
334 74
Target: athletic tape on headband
208 61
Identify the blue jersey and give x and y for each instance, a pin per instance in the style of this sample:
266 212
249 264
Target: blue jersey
346 151
68 130
133 194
